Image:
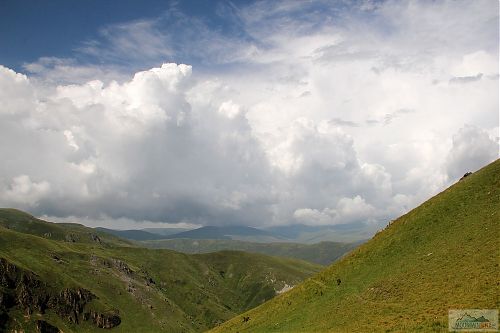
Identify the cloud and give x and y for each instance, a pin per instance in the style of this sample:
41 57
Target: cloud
122 41
122 223
229 109
273 123
171 36
138 150
16 93
354 209
466 79
474 64
23 191
53 70
343 122
310 216
348 210
388 118
320 171
472 149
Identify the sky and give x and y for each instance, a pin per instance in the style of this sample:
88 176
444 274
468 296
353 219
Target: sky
131 114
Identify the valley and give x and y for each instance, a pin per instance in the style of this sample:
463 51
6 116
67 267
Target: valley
148 290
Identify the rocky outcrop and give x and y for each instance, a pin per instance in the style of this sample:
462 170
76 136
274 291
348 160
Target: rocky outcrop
121 266
111 263
95 238
467 174
21 289
69 303
103 320
43 327
24 290
71 238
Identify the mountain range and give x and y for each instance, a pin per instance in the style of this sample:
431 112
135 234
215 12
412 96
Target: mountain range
76 279
322 253
295 233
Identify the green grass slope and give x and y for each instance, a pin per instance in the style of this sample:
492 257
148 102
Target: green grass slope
322 253
150 290
20 221
442 255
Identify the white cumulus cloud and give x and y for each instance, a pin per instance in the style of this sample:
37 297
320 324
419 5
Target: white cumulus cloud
309 114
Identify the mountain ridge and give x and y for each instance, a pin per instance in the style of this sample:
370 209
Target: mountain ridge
322 253
220 232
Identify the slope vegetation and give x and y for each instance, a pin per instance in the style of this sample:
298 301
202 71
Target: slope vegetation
78 280
442 255
323 253
22 222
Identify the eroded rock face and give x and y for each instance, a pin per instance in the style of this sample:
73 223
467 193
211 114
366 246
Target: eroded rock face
69 303
23 289
121 266
43 327
467 174
71 238
95 238
103 320
8 274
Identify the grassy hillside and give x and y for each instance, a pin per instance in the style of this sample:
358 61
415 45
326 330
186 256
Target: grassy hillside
442 255
78 283
323 253
19 221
